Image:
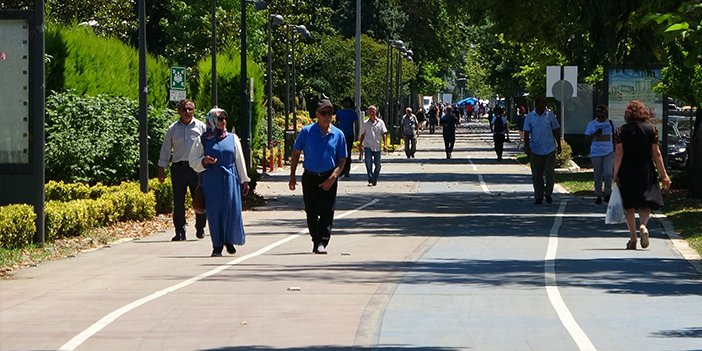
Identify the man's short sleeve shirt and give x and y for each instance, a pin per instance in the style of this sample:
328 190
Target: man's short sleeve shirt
374 133
346 119
322 152
540 128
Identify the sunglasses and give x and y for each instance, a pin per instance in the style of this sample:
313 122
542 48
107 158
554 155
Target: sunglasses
188 109
223 118
325 113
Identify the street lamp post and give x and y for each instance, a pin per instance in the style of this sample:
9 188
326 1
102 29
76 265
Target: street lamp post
272 20
244 115
290 60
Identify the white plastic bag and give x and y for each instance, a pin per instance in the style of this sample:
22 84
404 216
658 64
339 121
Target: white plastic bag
615 208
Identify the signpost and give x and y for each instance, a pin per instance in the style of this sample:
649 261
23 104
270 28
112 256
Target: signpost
562 83
177 91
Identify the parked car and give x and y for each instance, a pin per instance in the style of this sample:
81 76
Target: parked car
684 125
677 147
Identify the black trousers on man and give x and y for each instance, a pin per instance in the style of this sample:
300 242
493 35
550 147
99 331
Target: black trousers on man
499 140
349 146
182 178
319 206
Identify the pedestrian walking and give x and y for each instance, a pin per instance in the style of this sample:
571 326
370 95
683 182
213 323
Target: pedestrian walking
448 131
421 117
542 141
179 139
325 152
347 120
410 130
636 159
600 132
373 131
219 158
433 118
521 115
500 130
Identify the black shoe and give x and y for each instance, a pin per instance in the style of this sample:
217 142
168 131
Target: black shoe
375 182
230 249
606 199
200 234
216 252
549 199
178 237
538 202
598 201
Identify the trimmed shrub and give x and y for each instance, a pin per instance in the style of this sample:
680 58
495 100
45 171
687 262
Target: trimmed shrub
17 225
60 191
563 159
87 64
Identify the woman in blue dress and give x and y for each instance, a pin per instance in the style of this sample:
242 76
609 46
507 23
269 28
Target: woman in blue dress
218 157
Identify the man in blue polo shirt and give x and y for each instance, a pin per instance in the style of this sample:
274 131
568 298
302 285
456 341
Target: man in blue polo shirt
325 155
541 135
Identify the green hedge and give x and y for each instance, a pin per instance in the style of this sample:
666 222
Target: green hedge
80 61
17 225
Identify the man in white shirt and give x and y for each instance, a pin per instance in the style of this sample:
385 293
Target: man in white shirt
542 140
179 138
373 131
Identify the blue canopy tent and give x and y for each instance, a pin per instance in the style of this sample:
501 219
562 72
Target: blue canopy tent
471 101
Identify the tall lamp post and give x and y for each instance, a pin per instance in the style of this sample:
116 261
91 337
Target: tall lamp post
290 135
391 90
244 107
276 20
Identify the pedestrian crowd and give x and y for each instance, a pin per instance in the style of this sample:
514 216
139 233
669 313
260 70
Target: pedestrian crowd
205 156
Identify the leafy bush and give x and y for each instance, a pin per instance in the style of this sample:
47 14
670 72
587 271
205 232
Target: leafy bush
87 64
60 191
563 158
96 139
17 225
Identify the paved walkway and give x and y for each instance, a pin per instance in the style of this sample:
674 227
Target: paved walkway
440 255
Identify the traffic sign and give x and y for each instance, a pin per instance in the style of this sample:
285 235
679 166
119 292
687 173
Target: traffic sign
177 78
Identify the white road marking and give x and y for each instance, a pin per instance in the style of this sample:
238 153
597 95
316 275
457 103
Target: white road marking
480 177
578 335
105 321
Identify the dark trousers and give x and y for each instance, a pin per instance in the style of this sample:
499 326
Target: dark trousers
410 145
449 141
349 146
182 178
543 174
499 144
319 206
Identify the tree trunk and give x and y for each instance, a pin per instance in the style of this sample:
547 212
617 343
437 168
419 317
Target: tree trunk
695 190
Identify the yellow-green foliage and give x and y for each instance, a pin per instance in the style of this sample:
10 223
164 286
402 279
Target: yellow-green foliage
17 225
563 159
163 193
61 191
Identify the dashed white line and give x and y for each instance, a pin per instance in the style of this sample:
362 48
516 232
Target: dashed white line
480 177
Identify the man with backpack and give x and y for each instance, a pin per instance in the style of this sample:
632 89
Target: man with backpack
500 130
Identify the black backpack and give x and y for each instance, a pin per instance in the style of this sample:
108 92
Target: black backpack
499 126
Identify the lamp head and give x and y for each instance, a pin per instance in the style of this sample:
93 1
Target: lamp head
277 20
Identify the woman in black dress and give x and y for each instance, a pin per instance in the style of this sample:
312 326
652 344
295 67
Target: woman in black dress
636 151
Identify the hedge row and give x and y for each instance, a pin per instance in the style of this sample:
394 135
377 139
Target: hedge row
73 209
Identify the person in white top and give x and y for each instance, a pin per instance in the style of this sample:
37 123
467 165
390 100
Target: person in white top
373 131
600 132
180 137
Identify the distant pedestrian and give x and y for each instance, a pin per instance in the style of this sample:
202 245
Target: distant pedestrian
636 159
521 115
542 141
347 120
600 132
421 117
500 130
410 130
448 123
218 156
325 152
433 118
374 131
179 138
